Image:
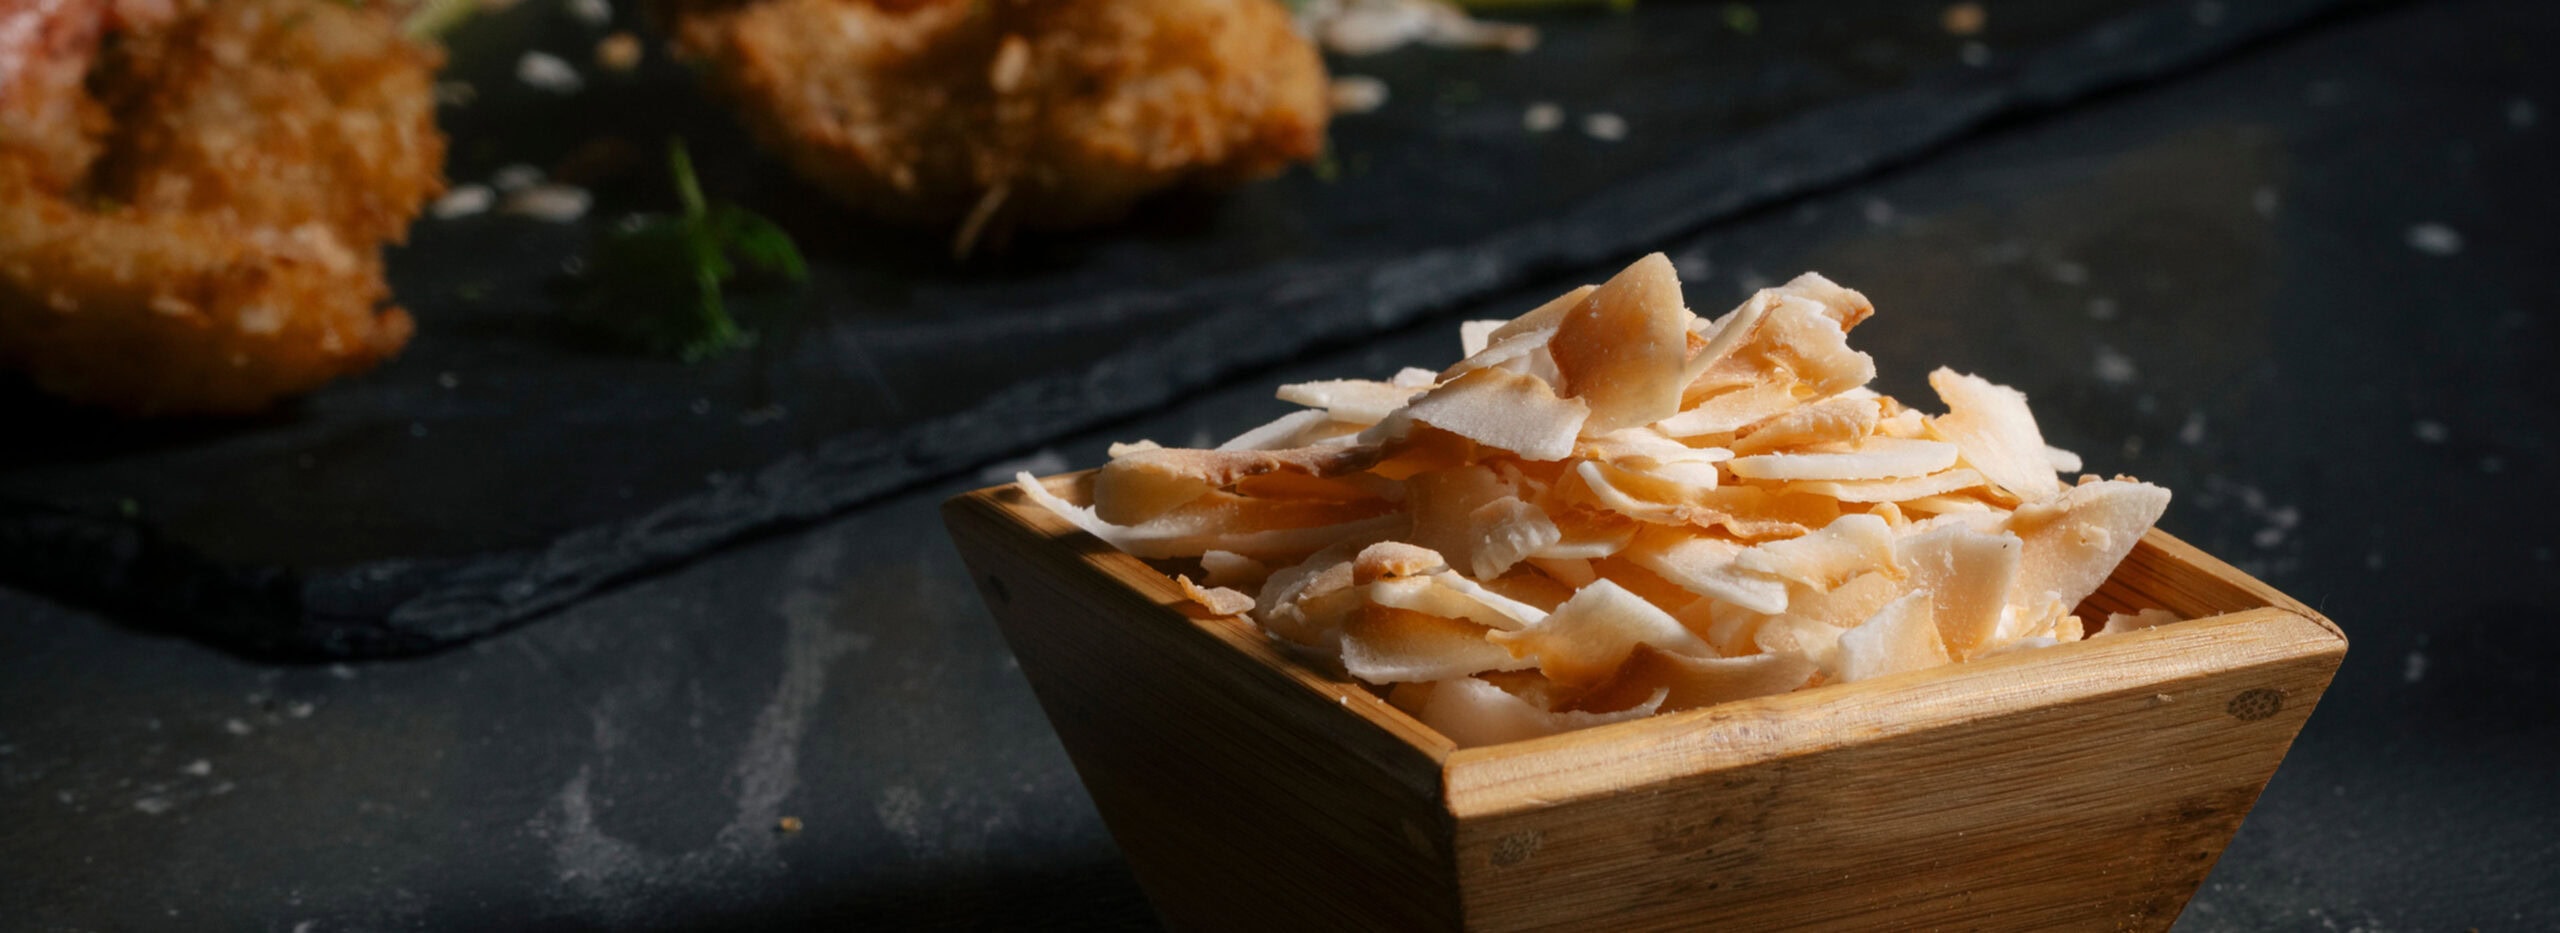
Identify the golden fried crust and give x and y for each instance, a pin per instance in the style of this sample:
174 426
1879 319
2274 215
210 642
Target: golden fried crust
223 250
1037 113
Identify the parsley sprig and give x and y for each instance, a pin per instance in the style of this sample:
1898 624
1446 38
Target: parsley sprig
658 279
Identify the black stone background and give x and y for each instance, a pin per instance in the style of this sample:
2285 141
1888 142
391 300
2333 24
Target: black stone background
2371 433
504 467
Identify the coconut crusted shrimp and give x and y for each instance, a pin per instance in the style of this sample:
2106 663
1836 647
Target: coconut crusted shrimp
194 195
994 114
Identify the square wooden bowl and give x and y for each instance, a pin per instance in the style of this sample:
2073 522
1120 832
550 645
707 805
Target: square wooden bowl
2085 786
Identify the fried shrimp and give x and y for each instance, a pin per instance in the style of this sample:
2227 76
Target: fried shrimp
994 114
194 195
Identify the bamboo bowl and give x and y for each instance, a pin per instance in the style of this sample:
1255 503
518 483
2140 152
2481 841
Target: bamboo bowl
2090 785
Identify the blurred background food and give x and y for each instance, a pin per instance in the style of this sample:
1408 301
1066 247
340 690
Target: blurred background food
986 116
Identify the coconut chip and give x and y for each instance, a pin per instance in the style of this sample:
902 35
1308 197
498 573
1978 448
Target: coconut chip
1610 508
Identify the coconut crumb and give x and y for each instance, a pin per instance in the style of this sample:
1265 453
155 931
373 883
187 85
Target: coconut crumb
544 71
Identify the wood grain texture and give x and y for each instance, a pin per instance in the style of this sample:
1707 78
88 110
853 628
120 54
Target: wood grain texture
1247 790
2084 786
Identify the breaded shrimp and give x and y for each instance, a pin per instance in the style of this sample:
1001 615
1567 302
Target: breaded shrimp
993 114
192 214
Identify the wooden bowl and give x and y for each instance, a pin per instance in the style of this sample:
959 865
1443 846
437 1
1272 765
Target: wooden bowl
2085 786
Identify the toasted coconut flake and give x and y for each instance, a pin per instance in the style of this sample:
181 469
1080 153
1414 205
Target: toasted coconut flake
1503 532
1724 334
1307 603
1686 682
2119 623
1117 449
1849 603
1385 645
1521 353
1892 490
1796 341
1872 459
1844 306
1705 566
1620 351
1587 534
1228 568
1900 637
2062 461
1942 506
1140 485
1504 410
1997 433
1730 411
1284 431
1356 401
1443 502
1583 641
1570 571
1830 421
1414 377
1219 599
1474 336
1968 575
2075 539
1255 527
1545 317
1815 643
1849 546
1390 560
1474 713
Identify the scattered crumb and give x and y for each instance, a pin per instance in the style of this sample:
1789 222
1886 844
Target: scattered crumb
553 202
2192 432
1605 126
417 429
462 201
2102 309
2493 465
2373 560
788 824
298 709
2414 668
2435 239
1542 117
1962 19
544 71
515 177
618 53
2132 446
197 768
2112 367
455 93
1358 94
2430 431
2268 537
236 727
2522 114
2069 273
2264 201
1694 267
342 672
447 380
1974 54
591 12
1879 212
154 805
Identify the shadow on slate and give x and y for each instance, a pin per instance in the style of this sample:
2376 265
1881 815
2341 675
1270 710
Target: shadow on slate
504 467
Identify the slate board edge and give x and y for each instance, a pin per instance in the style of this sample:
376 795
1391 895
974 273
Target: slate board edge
397 607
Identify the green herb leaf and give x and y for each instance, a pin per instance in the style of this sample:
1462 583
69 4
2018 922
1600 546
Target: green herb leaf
657 280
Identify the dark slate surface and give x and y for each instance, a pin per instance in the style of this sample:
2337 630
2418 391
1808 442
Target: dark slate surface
2210 284
504 467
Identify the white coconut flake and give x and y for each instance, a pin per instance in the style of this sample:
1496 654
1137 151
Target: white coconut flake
1604 126
2435 239
463 201
550 201
544 71
1541 117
